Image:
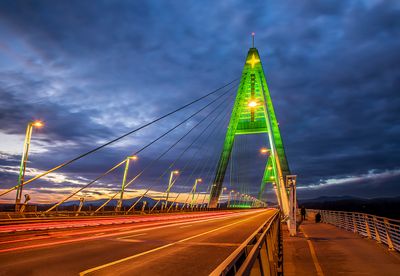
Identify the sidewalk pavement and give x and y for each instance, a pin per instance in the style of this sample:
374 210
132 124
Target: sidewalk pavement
323 249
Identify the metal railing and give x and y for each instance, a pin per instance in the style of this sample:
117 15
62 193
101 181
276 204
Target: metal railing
381 229
83 214
260 254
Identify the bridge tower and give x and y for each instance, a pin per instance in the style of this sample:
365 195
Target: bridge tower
253 113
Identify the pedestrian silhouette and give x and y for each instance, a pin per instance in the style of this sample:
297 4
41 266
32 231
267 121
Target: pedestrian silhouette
303 213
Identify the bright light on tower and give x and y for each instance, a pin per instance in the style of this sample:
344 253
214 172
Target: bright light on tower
264 150
252 104
176 172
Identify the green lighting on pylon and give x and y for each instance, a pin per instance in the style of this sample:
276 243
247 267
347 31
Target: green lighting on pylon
253 113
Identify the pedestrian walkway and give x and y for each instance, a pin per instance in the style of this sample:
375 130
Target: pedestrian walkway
323 249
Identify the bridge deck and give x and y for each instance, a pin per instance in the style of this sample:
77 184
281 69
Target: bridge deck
173 246
322 249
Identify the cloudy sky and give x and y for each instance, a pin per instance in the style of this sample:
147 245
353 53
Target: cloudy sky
95 70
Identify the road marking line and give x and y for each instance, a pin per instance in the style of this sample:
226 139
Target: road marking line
130 236
313 254
163 225
130 240
164 246
221 244
186 226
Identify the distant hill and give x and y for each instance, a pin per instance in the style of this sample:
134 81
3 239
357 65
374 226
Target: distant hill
385 207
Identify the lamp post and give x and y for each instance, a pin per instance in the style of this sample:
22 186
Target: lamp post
229 198
222 192
24 160
194 189
170 183
121 198
237 199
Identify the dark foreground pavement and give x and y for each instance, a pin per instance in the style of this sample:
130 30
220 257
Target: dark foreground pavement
322 249
185 246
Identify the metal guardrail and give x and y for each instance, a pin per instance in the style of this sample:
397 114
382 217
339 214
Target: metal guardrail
260 254
381 229
71 214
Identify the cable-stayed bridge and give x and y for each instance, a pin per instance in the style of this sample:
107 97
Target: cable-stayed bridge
189 200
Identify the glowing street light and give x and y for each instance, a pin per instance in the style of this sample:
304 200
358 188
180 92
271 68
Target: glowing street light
37 124
24 160
121 198
171 183
198 180
229 198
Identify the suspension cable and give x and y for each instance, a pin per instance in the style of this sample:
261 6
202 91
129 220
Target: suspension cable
117 139
123 161
202 144
172 163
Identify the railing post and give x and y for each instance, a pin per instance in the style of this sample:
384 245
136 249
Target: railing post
264 257
353 217
377 236
367 226
389 239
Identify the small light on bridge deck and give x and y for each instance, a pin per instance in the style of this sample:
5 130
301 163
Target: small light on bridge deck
269 168
264 150
134 157
199 180
176 172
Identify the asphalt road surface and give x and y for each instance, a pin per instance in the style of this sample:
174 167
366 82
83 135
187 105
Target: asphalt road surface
179 245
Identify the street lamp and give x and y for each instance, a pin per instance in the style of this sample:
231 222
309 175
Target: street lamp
171 183
220 195
194 189
229 198
127 161
24 160
237 199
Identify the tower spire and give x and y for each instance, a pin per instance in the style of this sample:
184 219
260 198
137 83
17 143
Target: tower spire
252 36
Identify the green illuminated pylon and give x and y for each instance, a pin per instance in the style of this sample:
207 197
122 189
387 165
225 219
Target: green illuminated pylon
253 113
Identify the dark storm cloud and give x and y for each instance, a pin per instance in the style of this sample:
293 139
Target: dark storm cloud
94 71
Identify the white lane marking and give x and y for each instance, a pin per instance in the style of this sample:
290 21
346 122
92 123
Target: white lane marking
164 246
130 236
130 231
186 226
130 240
313 254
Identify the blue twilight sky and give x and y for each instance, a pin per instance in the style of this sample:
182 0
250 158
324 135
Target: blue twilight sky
92 70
